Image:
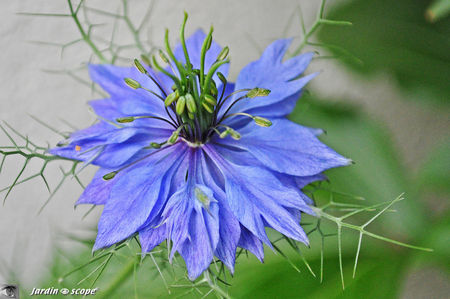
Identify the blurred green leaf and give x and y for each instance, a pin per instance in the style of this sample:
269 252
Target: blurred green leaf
438 238
435 172
377 175
276 279
393 36
437 10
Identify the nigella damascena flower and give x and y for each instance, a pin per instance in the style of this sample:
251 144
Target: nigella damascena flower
206 164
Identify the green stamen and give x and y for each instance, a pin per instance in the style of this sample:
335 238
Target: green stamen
210 100
163 56
110 175
132 83
140 67
261 121
171 98
223 54
190 103
208 107
155 145
258 92
181 103
123 120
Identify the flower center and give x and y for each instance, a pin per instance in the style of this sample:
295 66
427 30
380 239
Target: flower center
197 106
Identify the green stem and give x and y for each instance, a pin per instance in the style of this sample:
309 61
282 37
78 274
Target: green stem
131 27
37 155
306 37
84 35
321 214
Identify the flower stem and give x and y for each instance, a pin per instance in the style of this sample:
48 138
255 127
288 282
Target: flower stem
84 35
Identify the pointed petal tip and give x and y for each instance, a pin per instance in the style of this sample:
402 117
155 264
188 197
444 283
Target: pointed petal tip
199 31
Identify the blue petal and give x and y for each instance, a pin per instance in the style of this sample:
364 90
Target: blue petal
107 110
152 236
193 224
229 227
98 190
280 77
198 250
194 47
130 101
256 196
108 146
177 215
288 148
306 180
133 197
154 230
297 183
251 243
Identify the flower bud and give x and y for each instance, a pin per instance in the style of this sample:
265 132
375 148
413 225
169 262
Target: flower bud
190 103
127 119
181 103
261 121
210 100
171 98
132 83
223 54
109 176
258 92
140 67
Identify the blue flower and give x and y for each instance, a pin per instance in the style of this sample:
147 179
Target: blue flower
206 164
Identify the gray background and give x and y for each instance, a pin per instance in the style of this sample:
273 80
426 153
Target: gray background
27 239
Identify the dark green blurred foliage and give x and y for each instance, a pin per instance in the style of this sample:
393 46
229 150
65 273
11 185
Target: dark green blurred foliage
395 37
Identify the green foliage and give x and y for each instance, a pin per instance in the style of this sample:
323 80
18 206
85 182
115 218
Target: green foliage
29 150
435 172
377 173
394 36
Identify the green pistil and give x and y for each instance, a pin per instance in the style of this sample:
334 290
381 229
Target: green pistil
193 106
183 42
205 47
